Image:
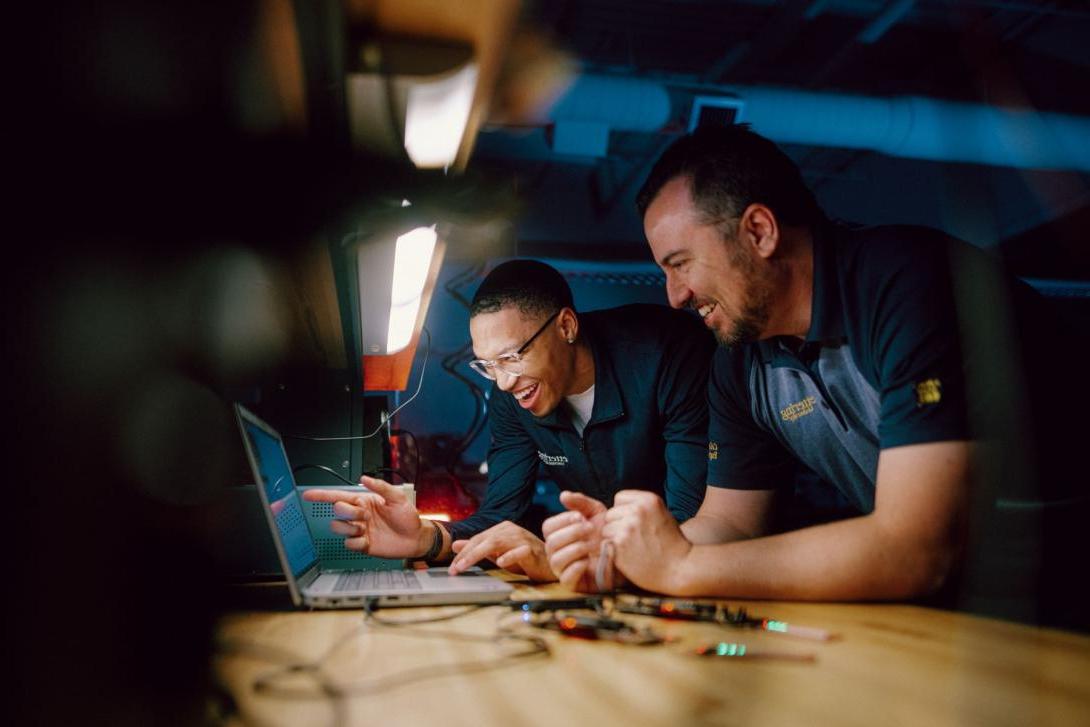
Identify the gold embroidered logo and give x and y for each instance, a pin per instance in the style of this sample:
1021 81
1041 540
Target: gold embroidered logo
928 392
713 450
799 409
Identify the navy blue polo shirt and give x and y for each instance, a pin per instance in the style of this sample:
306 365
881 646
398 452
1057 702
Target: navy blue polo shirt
880 367
648 428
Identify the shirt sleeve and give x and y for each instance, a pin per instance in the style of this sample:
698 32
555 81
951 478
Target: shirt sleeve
512 469
741 455
682 395
916 345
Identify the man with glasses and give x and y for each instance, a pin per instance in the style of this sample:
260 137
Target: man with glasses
605 400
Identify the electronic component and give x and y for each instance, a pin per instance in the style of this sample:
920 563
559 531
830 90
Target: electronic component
597 627
540 605
741 651
716 613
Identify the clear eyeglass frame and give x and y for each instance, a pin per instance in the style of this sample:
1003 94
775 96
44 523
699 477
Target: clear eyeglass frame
509 363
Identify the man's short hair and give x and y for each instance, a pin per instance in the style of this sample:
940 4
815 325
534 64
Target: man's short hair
729 168
530 285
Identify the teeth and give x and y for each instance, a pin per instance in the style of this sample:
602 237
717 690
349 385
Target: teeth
520 395
705 309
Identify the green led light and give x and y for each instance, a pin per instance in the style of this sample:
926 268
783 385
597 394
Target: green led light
725 649
780 626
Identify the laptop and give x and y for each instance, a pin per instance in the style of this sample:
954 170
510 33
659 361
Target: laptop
313 586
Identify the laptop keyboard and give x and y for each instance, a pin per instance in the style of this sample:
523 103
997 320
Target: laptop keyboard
386 580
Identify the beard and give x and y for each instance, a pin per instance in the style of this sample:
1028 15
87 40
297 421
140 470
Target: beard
751 321
748 326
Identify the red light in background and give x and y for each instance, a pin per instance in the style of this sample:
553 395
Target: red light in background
442 494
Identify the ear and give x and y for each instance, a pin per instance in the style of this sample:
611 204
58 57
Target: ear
569 324
760 229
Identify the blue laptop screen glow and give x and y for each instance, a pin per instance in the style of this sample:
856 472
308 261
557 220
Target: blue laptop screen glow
286 506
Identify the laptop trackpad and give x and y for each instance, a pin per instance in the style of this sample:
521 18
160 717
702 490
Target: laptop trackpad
470 580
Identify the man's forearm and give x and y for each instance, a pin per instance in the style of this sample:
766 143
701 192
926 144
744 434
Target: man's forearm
847 560
703 530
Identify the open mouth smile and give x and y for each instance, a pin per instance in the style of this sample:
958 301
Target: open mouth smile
526 393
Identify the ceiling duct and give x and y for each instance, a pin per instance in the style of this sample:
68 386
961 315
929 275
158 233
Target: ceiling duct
907 126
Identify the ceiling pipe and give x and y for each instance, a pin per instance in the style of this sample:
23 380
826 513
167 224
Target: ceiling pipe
631 104
592 106
906 126
921 128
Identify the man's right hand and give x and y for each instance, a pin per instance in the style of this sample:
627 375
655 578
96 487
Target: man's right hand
380 522
573 540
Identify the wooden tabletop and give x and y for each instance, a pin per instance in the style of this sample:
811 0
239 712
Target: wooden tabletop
890 665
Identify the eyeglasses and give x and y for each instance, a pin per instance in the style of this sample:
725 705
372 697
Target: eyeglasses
509 363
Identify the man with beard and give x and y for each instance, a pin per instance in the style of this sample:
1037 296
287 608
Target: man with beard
842 351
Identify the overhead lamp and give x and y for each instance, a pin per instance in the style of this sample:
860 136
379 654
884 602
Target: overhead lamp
395 273
411 97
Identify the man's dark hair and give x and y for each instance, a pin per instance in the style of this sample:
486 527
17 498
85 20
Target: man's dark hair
730 168
530 285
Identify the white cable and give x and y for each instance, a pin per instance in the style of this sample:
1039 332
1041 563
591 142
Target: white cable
387 417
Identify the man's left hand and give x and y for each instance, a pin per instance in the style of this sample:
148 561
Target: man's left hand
647 541
508 546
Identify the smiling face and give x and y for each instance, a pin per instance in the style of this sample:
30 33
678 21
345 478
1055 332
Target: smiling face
724 279
548 365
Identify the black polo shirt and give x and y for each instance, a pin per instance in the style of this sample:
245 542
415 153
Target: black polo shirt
648 427
880 367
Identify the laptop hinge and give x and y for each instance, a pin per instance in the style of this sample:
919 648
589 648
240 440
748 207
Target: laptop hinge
311 575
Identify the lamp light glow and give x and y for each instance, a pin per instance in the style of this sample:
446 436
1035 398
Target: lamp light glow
412 98
436 116
412 260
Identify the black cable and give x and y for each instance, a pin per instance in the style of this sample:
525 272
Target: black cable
291 664
391 470
459 357
369 615
480 413
322 467
537 646
325 688
480 410
472 435
452 286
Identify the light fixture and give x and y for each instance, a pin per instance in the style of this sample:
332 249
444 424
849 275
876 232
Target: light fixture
412 261
395 272
411 97
436 115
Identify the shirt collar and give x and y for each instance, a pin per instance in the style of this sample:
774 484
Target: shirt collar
826 313
607 393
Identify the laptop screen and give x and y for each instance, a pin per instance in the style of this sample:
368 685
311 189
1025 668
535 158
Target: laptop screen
287 508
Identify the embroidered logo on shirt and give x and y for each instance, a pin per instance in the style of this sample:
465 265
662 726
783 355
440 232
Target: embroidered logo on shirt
928 392
799 409
713 450
558 460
